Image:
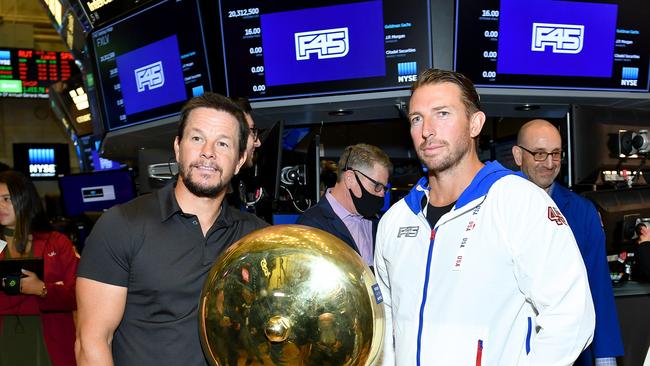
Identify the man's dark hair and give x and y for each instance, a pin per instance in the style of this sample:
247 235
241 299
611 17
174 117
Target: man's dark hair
470 96
219 103
4 167
28 208
243 103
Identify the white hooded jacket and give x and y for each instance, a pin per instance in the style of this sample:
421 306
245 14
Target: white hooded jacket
499 281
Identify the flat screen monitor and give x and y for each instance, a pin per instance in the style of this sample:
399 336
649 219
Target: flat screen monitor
594 141
27 73
554 44
269 160
95 192
41 161
288 49
149 63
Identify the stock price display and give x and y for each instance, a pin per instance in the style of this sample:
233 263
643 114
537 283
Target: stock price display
27 73
247 23
486 45
284 49
553 44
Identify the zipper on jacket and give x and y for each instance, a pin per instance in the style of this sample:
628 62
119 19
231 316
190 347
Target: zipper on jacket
424 296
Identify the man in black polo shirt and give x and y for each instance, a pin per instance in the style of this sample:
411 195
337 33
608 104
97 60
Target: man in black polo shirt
145 262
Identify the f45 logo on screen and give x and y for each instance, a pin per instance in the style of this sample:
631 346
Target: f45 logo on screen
325 43
562 38
149 76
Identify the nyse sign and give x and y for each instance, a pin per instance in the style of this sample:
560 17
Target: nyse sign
561 38
149 77
42 170
325 43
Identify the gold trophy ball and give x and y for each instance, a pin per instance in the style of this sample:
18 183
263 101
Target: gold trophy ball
291 295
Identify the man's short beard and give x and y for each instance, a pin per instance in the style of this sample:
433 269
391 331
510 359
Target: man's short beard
200 191
448 162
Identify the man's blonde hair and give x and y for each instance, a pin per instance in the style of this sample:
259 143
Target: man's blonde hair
362 156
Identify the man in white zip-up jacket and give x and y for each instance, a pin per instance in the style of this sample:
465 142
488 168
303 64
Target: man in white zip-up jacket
476 265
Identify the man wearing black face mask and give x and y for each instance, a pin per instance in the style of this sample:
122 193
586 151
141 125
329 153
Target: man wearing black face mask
349 209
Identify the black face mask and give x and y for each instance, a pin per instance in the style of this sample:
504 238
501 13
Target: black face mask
368 205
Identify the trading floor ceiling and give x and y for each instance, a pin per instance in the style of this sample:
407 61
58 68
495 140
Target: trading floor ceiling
24 23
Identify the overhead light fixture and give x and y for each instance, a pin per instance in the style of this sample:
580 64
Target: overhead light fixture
527 107
340 112
80 98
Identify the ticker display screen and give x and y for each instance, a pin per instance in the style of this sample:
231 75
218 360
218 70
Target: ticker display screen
27 73
284 49
598 45
150 63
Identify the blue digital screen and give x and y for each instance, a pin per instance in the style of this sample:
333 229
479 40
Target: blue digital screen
41 156
41 161
564 38
287 49
95 192
321 44
554 44
151 76
100 163
150 62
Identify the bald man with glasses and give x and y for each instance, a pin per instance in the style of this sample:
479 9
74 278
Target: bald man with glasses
349 209
539 155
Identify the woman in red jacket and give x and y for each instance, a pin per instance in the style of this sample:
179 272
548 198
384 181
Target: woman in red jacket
36 323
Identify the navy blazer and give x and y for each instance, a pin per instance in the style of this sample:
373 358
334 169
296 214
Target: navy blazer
323 217
587 228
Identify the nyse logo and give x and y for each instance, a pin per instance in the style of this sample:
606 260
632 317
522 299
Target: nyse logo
149 77
562 38
630 75
42 170
408 231
326 43
407 72
407 78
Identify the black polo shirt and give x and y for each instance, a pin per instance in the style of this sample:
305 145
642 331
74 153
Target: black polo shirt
160 254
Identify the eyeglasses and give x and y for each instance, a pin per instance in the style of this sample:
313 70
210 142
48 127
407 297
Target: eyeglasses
254 132
378 187
543 155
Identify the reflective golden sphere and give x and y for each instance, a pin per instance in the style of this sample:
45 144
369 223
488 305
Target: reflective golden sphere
291 295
